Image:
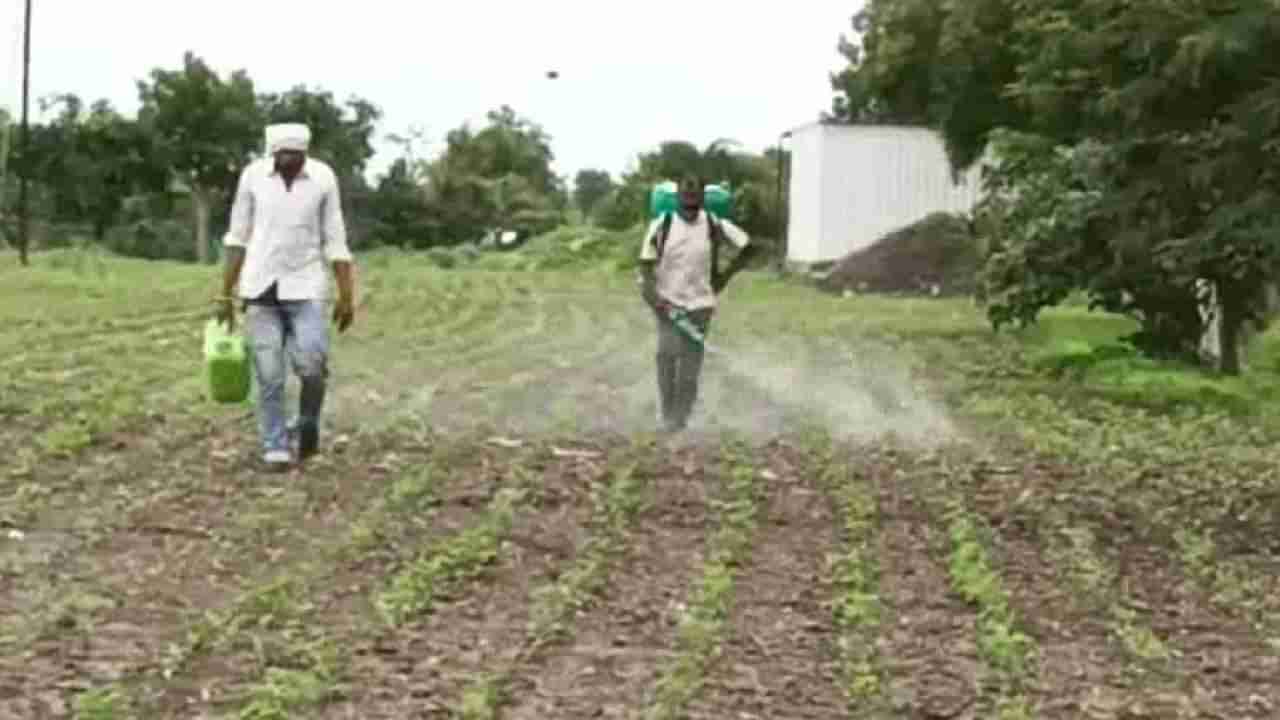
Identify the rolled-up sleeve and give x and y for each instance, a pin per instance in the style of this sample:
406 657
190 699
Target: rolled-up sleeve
333 226
736 235
240 227
647 251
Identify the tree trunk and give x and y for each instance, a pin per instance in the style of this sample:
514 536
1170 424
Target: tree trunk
1230 338
100 225
200 207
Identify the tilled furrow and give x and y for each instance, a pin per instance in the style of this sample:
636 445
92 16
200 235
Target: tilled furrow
779 656
619 646
929 653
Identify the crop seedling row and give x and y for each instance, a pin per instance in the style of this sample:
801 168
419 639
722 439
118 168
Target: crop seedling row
554 605
701 625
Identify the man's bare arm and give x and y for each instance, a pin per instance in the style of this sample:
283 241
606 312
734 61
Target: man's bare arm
231 271
649 282
346 283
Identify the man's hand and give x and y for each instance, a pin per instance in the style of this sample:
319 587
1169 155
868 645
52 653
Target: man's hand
344 313
226 311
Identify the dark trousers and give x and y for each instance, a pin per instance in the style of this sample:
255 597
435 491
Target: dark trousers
679 367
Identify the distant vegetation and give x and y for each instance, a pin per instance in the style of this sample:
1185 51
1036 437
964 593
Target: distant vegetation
158 185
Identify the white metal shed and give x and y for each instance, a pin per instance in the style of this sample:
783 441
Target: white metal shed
852 184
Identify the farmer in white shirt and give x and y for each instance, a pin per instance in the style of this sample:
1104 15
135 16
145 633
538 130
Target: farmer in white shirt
679 265
286 226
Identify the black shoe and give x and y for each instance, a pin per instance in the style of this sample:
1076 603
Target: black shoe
308 441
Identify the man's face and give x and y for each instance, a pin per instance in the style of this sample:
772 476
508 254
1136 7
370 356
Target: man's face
691 196
290 161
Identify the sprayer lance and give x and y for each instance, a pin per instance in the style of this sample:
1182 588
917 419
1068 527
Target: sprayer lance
680 318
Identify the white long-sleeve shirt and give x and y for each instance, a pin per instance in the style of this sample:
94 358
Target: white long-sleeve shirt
290 236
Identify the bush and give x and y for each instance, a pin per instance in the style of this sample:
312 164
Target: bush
581 247
442 258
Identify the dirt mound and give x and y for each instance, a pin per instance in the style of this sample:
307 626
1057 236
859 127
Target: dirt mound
937 255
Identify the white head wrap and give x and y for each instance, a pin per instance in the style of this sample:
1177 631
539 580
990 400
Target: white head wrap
287 136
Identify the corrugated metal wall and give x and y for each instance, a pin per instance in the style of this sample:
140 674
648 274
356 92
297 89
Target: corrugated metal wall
871 180
804 207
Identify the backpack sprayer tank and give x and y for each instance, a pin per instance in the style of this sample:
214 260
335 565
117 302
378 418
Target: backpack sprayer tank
665 198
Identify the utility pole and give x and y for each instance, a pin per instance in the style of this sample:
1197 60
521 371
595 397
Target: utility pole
24 137
782 213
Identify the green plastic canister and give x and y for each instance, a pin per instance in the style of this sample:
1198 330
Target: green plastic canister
665 198
718 200
226 364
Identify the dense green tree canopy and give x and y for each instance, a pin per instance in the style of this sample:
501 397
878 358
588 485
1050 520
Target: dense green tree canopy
1136 144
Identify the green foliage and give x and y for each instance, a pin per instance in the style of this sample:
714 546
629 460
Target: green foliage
418 588
497 178
101 704
206 127
581 248
568 248
286 691
1136 146
589 188
923 62
124 178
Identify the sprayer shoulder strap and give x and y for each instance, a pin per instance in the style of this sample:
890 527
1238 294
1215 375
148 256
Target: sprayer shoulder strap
660 238
715 235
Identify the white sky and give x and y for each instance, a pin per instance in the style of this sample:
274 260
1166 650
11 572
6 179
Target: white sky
632 74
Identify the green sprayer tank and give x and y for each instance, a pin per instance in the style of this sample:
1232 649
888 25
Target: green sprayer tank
665 198
226 364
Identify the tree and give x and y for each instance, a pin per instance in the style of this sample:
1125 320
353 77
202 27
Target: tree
1185 99
943 65
1136 146
497 177
889 78
206 128
95 162
589 188
399 211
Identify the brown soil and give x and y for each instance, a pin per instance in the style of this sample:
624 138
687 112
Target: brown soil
1219 667
938 252
168 556
619 646
928 649
779 656
421 669
187 540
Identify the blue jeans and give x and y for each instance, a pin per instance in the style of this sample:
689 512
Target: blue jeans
298 329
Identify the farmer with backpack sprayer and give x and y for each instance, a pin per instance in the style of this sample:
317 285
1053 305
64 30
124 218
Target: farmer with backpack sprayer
680 278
